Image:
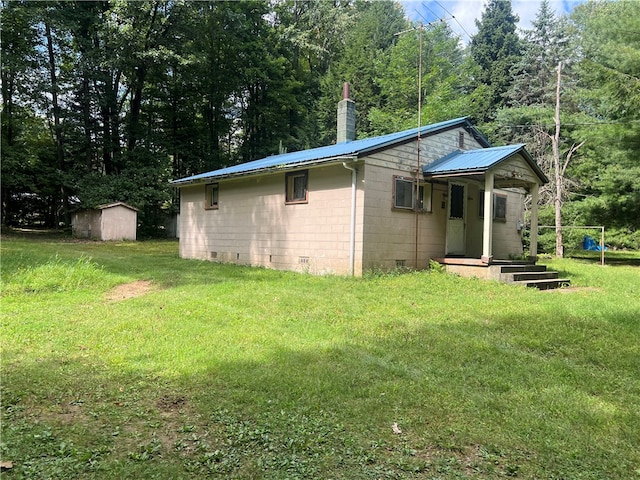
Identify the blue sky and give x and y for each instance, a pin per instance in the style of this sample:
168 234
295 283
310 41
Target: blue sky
466 11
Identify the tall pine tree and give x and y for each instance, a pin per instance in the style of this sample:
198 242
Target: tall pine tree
546 44
373 32
609 89
496 49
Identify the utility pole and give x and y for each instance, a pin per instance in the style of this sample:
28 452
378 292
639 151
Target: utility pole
559 168
417 211
557 201
417 175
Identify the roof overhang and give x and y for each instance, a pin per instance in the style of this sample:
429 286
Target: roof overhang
330 154
266 170
478 162
116 204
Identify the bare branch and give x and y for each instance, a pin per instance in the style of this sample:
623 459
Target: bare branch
572 150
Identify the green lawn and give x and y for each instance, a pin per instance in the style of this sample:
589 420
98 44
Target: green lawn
234 372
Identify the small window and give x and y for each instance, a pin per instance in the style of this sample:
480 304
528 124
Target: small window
403 192
297 187
500 207
211 192
461 140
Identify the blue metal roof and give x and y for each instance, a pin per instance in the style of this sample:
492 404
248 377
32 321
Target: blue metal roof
479 161
353 148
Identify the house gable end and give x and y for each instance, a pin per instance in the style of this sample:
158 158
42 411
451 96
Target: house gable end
426 135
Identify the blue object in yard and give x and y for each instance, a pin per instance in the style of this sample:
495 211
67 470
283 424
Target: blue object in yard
588 243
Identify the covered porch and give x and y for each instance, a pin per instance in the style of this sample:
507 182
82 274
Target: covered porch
477 212
479 217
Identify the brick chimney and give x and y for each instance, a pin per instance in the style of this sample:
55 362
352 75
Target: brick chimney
346 117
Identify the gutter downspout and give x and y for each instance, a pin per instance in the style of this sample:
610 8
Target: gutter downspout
352 235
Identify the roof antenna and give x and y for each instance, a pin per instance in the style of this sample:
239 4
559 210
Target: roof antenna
416 207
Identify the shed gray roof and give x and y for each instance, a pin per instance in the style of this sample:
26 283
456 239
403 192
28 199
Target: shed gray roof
479 161
115 204
355 148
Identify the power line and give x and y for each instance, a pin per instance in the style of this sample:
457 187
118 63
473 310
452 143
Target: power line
432 22
438 18
590 124
427 7
422 16
454 17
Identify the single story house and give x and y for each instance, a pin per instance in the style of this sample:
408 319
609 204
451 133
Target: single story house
396 200
114 221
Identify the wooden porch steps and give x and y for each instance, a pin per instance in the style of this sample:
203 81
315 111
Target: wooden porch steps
531 275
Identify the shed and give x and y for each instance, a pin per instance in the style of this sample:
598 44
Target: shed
114 221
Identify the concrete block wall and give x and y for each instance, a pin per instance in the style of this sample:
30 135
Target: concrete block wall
254 226
390 233
507 239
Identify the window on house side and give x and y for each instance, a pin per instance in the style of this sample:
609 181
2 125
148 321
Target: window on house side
211 193
461 140
403 192
297 190
500 207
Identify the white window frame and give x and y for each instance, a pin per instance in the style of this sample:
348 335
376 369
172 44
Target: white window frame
212 196
499 199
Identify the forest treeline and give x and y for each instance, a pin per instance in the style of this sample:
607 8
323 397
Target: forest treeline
108 101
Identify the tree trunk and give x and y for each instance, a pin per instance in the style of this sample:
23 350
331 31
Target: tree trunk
7 86
134 111
86 121
57 127
139 78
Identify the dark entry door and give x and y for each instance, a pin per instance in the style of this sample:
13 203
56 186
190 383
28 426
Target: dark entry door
456 225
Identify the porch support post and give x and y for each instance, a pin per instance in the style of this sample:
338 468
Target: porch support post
487 228
533 234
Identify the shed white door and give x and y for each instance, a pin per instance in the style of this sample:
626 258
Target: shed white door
456 224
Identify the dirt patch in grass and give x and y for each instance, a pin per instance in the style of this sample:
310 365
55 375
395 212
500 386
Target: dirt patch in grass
170 403
129 290
61 414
